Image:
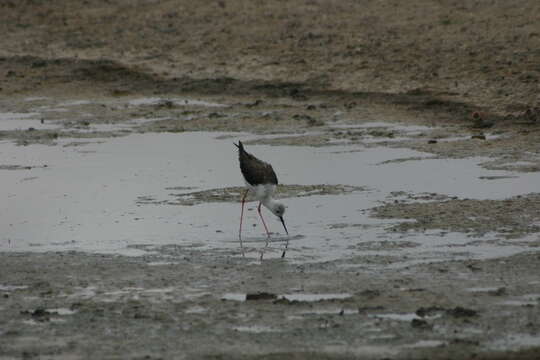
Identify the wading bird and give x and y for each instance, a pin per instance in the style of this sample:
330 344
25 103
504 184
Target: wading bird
262 180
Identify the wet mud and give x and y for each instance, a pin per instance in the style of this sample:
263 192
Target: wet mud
514 217
207 304
232 194
410 171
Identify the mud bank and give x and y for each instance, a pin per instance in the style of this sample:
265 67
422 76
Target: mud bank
180 302
405 137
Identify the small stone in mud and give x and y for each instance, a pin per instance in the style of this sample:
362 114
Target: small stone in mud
479 120
365 309
214 115
255 103
499 292
381 133
496 177
120 92
311 121
261 296
532 114
461 312
39 314
465 342
15 167
315 122
39 63
426 311
415 289
165 104
420 324
472 267
286 301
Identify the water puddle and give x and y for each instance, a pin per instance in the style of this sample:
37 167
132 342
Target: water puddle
331 311
524 300
135 293
196 310
23 121
359 351
256 329
483 289
83 293
7 116
384 133
426 344
12 287
234 297
117 194
126 126
403 317
61 311
75 103
172 101
409 129
379 132
315 297
300 297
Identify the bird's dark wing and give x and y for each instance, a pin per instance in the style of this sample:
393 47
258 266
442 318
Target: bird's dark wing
255 171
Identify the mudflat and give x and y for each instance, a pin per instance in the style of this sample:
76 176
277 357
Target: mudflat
405 136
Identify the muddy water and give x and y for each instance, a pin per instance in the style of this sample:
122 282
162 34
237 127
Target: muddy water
85 198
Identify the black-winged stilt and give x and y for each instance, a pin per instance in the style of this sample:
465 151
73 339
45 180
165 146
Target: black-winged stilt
262 180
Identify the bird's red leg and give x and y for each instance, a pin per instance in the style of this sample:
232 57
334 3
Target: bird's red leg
265 228
241 216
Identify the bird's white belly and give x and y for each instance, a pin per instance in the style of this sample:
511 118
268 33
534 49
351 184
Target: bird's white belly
262 191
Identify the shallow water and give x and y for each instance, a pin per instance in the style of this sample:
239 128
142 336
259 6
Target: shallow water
426 343
314 297
173 101
86 198
23 121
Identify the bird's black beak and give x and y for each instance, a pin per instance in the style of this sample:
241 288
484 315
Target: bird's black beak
283 222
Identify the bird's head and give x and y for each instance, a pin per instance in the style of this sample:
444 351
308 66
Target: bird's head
278 209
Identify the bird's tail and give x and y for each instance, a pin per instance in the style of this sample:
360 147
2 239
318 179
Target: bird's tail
240 146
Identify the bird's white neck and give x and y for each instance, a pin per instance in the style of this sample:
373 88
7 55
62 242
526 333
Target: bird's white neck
269 203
